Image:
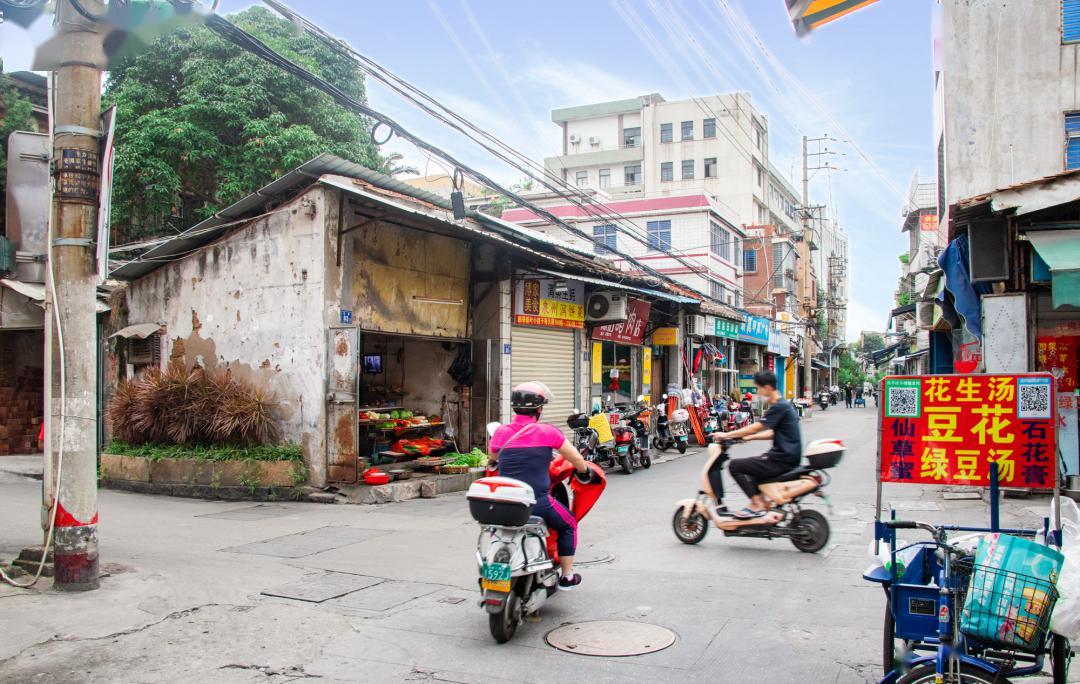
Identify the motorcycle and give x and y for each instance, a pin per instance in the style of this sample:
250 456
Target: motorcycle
823 400
587 441
662 439
516 553
632 440
807 529
679 430
740 414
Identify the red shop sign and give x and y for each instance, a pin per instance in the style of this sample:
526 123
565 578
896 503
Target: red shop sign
630 331
947 429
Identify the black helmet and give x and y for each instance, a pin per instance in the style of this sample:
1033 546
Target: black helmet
529 396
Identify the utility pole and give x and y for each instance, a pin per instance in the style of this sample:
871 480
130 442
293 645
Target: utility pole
72 414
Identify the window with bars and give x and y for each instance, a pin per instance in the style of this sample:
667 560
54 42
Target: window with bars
708 128
687 130
659 233
688 169
718 291
1072 140
667 172
605 178
581 178
632 137
666 134
144 352
749 261
778 265
605 234
720 240
632 175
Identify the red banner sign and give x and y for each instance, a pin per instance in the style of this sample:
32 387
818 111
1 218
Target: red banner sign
1057 356
947 429
630 331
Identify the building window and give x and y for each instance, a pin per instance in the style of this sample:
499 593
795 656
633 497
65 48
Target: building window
581 178
759 176
736 249
708 128
759 137
144 352
720 240
631 137
714 237
665 132
667 172
1070 20
778 265
605 178
687 130
717 290
1072 133
688 169
632 175
738 299
710 167
659 235
605 239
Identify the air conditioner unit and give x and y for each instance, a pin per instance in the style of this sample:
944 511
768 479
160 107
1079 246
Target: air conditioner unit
606 307
574 139
695 326
746 353
594 140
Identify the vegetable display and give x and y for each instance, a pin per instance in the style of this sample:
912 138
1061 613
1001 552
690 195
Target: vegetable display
473 459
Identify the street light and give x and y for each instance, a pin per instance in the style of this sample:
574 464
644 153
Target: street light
831 350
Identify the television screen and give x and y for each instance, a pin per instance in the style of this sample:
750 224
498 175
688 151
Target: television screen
373 364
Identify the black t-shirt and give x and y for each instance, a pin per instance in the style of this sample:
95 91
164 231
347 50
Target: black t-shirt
787 439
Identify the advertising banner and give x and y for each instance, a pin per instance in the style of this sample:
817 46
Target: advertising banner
665 337
1057 356
550 303
755 329
725 328
630 331
947 429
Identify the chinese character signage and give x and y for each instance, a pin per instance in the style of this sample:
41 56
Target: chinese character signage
1057 356
722 327
755 329
550 303
630 331
665 337
947 429
928 223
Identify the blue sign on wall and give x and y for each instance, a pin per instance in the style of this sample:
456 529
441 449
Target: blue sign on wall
755 329
506 348
346 317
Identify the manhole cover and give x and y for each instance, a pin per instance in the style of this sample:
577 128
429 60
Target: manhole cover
610 638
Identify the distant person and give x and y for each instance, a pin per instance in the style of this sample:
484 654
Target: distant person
849 395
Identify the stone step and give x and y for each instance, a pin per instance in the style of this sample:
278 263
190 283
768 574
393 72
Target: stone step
31 567
33 553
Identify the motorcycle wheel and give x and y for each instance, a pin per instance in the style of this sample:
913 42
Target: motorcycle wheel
626 464
1060 654
690 529
811 531
646 461
504 623
968 674
682 447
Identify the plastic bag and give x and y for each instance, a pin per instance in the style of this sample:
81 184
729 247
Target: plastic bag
1066 618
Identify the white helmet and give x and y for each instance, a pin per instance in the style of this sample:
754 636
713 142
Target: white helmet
530 395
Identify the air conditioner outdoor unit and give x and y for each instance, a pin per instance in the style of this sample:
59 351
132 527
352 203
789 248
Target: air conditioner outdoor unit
695 326
574 139
746 353
594 140
606 307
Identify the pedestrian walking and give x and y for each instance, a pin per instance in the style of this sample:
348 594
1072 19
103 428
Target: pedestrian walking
848 395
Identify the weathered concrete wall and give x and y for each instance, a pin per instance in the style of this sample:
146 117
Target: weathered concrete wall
491 315
1008 83
252 303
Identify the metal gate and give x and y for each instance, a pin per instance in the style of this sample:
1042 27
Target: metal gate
342 379
547 355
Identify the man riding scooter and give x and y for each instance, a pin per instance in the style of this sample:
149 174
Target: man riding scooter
522 450
781 424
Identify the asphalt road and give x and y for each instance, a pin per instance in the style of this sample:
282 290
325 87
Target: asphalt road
185 600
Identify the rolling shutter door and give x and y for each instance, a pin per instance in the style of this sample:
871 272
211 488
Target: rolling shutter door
547 355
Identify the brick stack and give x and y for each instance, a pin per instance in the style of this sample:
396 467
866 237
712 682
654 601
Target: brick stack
21 410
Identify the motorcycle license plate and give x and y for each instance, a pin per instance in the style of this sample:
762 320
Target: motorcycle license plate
683 438
495 576
622 449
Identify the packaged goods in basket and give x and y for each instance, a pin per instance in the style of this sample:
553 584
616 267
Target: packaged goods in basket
1012 592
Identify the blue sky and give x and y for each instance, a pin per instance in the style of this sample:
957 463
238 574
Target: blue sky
505 65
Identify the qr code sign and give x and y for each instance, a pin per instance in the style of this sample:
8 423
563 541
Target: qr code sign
902 400
1033 400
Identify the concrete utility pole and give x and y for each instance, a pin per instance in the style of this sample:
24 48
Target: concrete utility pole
804 254
73 410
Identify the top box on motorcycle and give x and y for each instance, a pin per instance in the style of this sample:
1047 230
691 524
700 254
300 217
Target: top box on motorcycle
578 421
824 453
501 501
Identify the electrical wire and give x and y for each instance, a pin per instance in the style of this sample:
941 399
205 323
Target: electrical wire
87 14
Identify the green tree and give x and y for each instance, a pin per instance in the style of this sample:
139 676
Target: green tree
202 123
849 370
872 342
16 114
391 165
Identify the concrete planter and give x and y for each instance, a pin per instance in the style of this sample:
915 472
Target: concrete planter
190 471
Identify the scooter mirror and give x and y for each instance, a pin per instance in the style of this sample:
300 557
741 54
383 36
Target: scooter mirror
491 428
663 396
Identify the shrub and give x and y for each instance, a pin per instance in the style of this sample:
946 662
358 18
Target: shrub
181 406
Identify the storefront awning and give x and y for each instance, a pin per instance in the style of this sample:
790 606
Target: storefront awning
36 292
820 365
1060 249
807 15
139 330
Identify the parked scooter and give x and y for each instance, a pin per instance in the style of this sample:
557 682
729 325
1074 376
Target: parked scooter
632 440
587 441
807 529
662 439
740 414
680 431
516 552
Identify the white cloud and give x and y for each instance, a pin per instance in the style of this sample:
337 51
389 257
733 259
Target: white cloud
566 83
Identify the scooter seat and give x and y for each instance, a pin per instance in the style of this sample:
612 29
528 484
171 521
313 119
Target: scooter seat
794 474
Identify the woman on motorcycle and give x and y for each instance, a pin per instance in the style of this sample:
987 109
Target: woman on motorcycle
522 450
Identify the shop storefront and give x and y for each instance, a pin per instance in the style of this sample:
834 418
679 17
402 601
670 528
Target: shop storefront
751 348
664 348
548 313
719 376
1057 351
619 361
778 349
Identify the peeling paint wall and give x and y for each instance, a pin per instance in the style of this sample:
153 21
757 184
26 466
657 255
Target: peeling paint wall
253 303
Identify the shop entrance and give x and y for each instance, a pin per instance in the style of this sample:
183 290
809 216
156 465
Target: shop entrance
619 372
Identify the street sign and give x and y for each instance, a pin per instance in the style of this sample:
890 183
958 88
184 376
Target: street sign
346 317
948 429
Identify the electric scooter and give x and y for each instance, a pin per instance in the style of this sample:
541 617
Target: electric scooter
807 529
516 553
679 430
632 440
662 439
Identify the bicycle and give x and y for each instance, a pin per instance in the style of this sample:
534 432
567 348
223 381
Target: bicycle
925 603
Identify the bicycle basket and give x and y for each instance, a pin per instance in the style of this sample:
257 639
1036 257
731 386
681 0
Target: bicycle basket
1008 609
